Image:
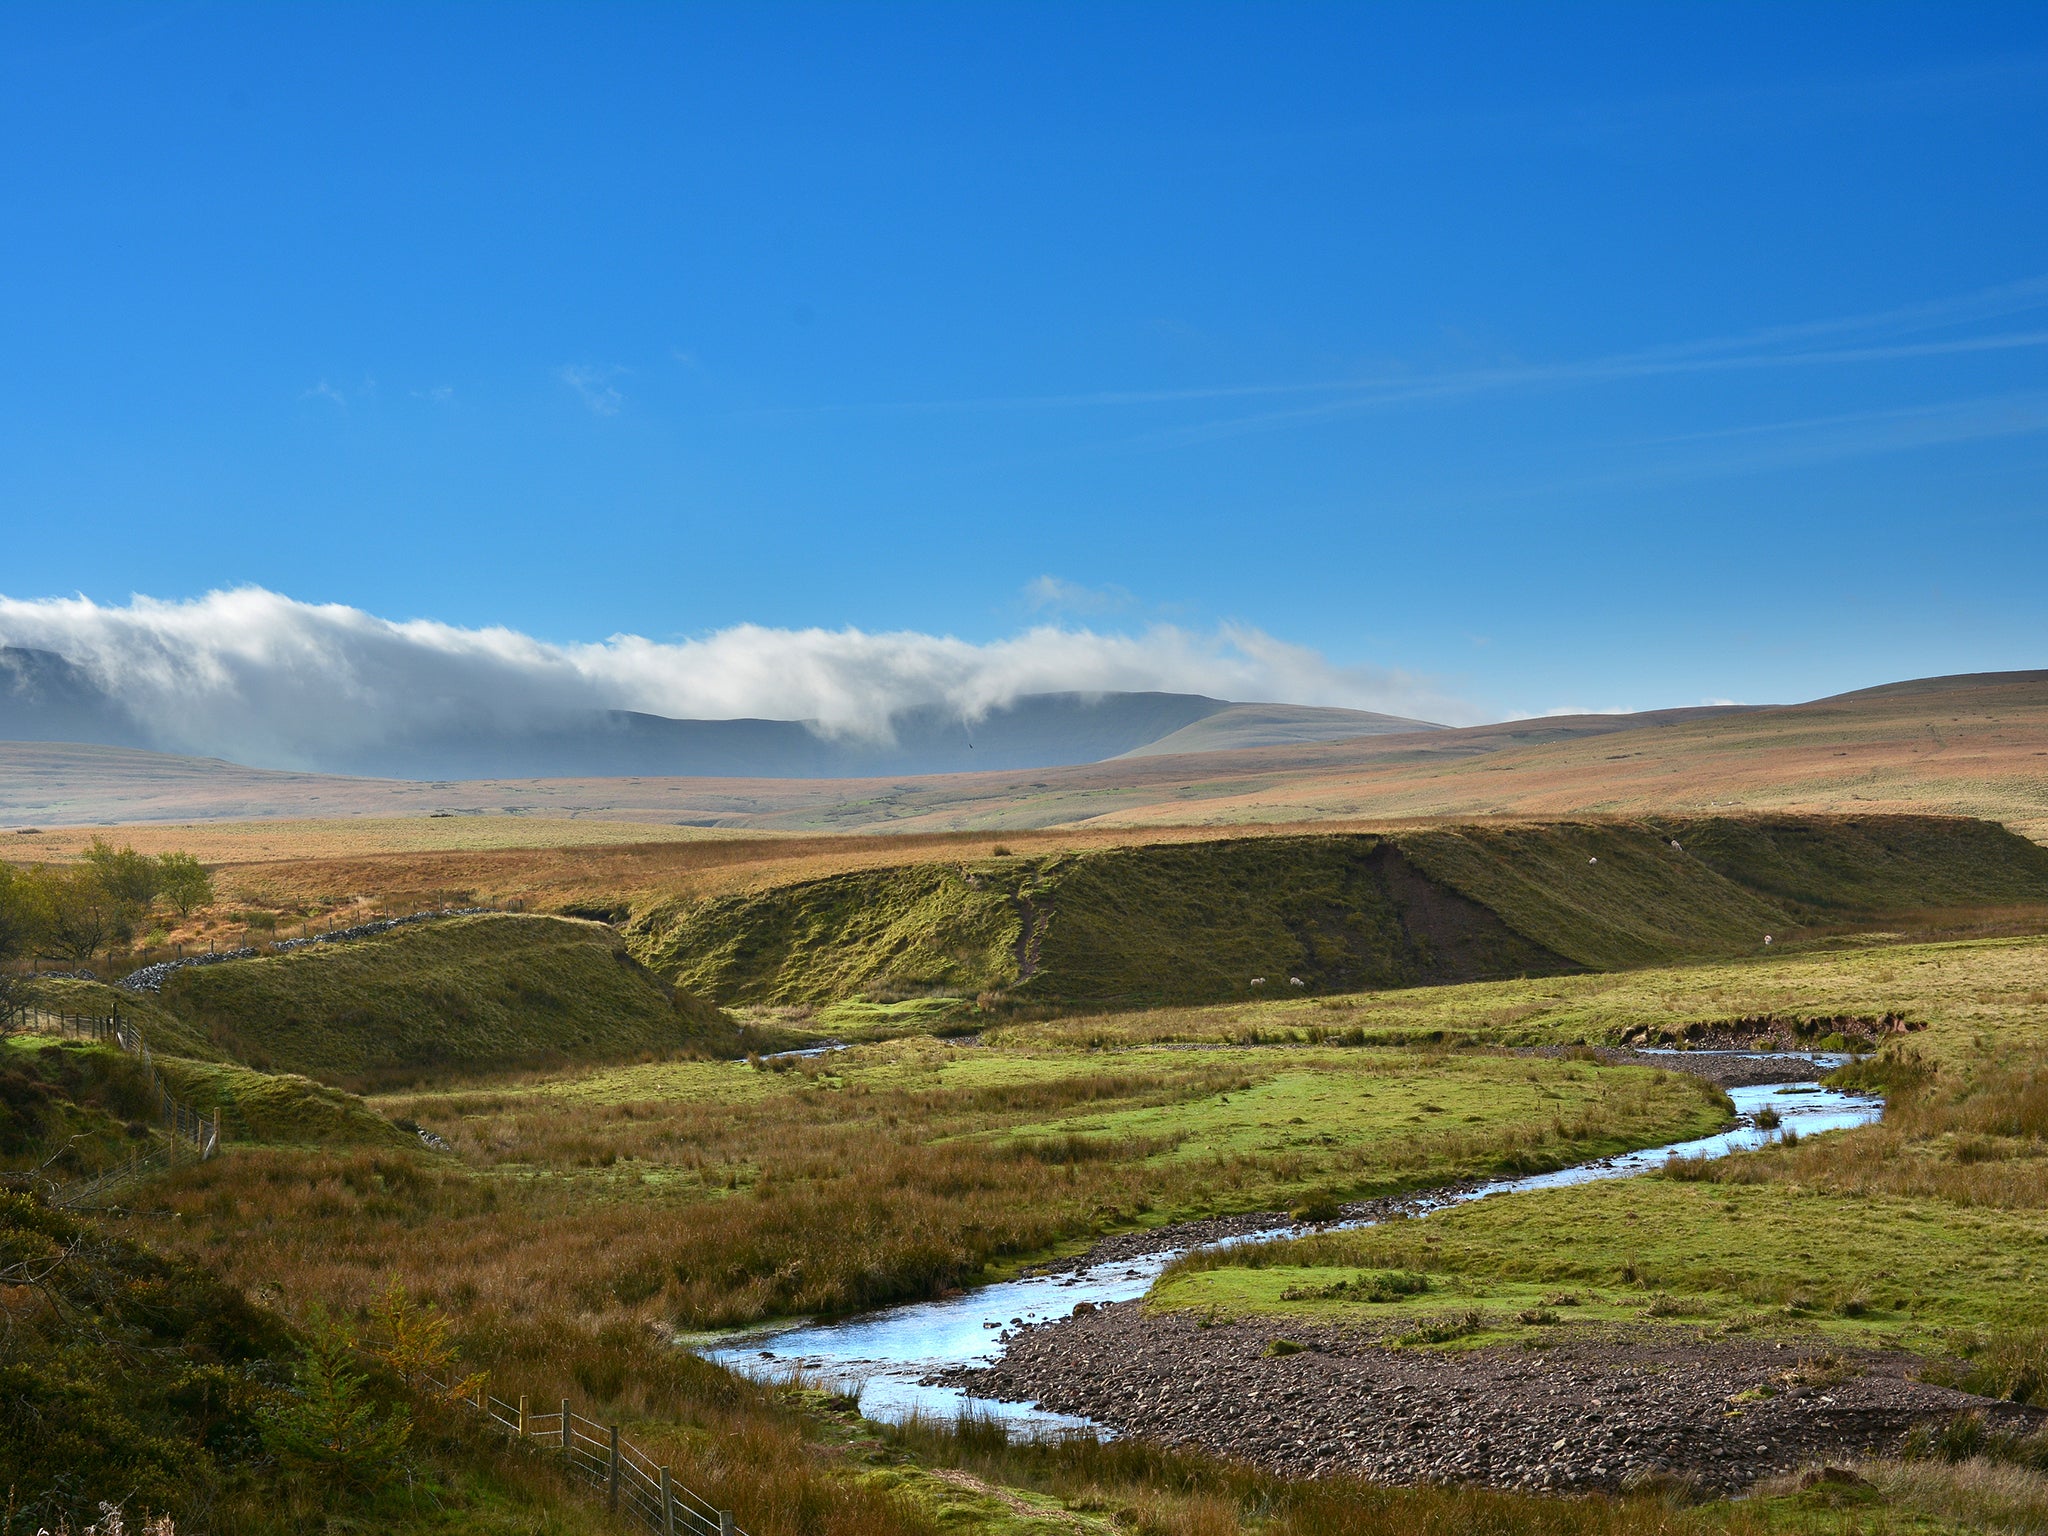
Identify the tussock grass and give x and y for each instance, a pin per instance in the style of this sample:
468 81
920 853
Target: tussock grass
1974 1495
1142 1486
713 1194
468 994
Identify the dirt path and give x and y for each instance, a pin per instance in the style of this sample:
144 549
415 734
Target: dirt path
1590 1410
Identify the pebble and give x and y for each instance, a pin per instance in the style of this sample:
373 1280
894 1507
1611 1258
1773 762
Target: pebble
1606 1410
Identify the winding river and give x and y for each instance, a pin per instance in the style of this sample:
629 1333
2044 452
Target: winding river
890 1353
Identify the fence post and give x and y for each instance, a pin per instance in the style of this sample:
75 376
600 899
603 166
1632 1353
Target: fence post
568 1442
668 1508
611 1479
725 1522
522 1415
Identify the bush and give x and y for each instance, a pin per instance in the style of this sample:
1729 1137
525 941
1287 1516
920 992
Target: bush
331 1431
2010 1365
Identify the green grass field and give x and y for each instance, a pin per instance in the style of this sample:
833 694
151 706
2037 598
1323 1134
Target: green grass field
1872 1271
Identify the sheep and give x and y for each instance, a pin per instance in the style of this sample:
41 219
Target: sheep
1258 981
1295 981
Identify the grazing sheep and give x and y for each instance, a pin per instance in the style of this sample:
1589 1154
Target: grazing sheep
1592 861
1258 981
1295 981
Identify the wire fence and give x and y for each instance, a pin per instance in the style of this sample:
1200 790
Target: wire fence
632 1482
596 1454
190 1135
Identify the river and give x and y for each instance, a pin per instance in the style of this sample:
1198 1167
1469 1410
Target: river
888 1353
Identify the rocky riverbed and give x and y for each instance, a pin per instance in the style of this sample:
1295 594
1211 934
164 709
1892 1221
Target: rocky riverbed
1591 1408
1723 1067
1215 1229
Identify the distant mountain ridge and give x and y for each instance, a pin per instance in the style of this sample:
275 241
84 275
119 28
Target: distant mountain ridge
45 697
1970 745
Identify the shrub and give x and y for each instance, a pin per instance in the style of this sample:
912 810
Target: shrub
1446 1327
331 1431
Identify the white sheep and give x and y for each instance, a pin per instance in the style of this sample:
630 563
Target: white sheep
1258 981
1295 981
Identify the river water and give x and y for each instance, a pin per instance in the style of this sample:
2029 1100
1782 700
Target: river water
888 1353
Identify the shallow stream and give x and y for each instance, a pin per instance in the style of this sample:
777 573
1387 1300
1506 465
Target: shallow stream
888 1353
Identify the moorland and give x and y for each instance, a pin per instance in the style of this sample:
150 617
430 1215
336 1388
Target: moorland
563 1143
1965 745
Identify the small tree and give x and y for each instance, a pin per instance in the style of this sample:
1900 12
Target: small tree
183 882
412 1338
77 914
330 1430
129 877
20 923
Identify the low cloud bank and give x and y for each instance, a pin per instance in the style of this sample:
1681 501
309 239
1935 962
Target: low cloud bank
261 678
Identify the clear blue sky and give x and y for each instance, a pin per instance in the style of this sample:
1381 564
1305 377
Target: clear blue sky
1572 355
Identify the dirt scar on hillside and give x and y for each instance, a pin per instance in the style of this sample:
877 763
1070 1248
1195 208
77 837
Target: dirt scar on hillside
919 1359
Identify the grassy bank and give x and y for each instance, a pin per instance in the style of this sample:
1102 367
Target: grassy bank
1874 1271
463 995
1970 994
1176 923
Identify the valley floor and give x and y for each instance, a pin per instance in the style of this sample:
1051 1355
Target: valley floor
1817 1299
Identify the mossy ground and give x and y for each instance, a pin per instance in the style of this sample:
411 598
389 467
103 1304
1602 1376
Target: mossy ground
1872 1271
465 994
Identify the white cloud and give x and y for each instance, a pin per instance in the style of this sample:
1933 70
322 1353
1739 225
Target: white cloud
595 387
262 678
1058 594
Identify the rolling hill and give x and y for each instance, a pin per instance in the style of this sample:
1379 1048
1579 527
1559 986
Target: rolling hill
1972 745
1193 922
45 697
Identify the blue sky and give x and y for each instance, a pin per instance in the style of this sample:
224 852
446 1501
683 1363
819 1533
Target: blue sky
1608 356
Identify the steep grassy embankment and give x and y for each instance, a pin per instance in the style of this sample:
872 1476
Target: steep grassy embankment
1191 922
470 994
1164 923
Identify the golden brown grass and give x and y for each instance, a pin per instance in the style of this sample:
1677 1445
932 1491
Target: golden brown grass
1973 746
712 1195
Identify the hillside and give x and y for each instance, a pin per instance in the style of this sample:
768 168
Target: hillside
46 698
1973 745
477 994
1198 921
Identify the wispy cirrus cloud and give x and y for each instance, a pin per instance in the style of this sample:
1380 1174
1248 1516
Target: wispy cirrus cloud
594 386
1900 334
1058 595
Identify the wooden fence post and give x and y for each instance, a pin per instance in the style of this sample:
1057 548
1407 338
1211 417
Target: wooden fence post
522 1415
725 1522
568 1441
611 1479
668 1508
